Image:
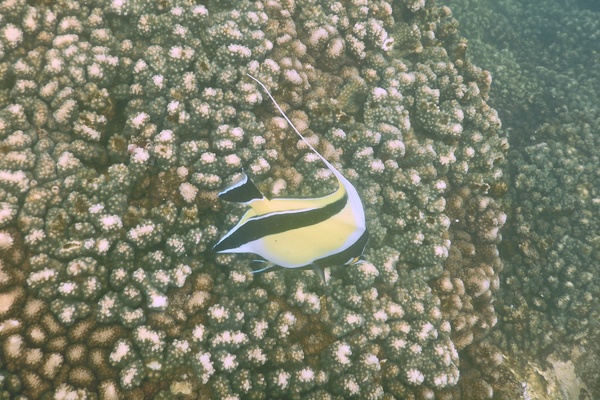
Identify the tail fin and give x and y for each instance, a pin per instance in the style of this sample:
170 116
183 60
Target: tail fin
242 190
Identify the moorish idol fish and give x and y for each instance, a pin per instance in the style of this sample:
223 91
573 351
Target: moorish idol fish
296 233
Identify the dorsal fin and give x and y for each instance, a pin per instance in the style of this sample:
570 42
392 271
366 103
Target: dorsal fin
337 174
354 198
241 190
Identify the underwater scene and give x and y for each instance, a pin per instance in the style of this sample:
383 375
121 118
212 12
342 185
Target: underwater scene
300 199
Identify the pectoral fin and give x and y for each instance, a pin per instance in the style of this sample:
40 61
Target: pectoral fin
319 271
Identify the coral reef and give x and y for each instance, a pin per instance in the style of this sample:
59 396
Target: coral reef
119 122
544 56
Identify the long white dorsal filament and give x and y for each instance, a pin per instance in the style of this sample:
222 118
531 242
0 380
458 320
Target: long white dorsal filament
331 167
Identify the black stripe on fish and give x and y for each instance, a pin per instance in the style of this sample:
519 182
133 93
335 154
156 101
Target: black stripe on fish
345 256
277 222
242 190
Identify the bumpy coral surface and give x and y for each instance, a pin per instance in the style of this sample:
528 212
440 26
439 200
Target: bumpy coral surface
121 120
544 56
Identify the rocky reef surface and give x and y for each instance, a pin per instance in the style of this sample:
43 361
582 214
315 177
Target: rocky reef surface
121 120
544 57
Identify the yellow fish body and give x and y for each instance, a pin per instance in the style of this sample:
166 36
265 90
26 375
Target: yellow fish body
295 233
